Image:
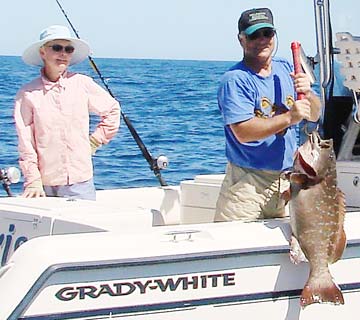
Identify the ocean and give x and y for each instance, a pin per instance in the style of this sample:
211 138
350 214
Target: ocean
170 103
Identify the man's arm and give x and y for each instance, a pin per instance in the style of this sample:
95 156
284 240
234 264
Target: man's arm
260 128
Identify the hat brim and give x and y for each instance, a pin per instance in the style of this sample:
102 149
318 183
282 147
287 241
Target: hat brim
258 26
32 56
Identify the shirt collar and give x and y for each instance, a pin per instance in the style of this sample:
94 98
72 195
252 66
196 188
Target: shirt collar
48 85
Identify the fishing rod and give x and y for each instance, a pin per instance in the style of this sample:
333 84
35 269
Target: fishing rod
295 49
155 164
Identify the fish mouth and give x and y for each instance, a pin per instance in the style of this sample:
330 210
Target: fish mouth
307 168
306 154
309 153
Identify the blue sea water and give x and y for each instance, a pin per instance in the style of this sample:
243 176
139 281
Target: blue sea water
171 103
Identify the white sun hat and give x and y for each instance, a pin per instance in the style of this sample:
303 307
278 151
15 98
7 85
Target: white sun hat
32 56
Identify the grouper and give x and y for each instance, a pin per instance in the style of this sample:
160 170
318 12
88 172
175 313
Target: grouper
317 212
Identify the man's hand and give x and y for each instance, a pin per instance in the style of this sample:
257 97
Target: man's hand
302 84
299 111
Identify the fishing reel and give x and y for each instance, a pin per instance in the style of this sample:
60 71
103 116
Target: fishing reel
158 164
162 162
8 176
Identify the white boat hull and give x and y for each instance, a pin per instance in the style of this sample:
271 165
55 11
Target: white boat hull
232 269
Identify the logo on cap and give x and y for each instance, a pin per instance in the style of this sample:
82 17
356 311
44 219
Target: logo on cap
257 16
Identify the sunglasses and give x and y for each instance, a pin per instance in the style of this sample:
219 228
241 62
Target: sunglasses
267 33
60 48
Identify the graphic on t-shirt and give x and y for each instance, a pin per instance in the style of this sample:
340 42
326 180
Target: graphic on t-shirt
275 109
264 112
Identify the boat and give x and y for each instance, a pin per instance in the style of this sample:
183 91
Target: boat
155 253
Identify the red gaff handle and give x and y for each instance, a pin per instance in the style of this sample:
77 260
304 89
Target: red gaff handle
295 48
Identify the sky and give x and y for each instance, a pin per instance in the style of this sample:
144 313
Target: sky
166 29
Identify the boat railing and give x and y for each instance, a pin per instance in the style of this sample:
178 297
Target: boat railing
322 28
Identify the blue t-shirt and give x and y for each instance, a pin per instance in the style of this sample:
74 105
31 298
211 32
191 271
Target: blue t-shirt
244 94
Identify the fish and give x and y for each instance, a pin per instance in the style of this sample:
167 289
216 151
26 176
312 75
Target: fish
317 213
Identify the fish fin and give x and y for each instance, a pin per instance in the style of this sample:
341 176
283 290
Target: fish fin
340 247
340 197
286 195
296 254
321 294
339 241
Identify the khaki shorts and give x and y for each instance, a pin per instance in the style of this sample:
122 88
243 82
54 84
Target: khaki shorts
248 194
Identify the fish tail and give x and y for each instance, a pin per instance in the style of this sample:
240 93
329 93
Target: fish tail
324 294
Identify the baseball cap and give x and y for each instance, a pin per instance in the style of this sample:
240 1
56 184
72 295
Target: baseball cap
255 19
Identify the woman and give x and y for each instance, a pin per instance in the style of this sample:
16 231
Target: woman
52 119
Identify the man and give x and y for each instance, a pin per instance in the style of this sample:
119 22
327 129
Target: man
257 99
52 119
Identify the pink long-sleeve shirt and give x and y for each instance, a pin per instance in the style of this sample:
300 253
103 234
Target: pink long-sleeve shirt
52 122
